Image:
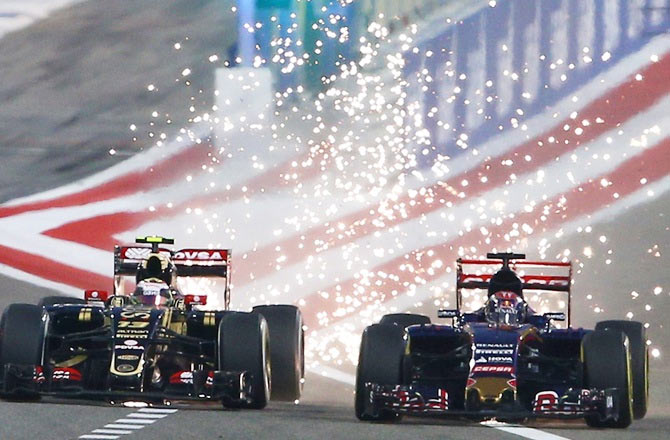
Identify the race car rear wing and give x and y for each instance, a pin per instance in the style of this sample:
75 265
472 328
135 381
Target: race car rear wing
201 263
555 282
189 262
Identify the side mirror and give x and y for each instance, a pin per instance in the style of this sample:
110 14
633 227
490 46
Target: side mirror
555 316
96 296
448 313
195 300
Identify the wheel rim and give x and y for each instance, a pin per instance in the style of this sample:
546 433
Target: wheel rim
266 360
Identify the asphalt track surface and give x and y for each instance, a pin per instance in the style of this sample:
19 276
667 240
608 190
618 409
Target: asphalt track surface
325 412
326 409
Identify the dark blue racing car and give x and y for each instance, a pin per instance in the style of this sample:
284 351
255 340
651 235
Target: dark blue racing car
504 360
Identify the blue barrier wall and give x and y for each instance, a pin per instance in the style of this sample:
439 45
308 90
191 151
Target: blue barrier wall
324 33
525 54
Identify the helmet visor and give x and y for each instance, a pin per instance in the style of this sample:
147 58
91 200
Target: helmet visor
152 297
505 309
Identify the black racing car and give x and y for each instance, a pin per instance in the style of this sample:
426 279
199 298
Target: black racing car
154 344
504 360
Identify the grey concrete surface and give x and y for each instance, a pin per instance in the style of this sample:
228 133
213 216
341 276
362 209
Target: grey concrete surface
71 85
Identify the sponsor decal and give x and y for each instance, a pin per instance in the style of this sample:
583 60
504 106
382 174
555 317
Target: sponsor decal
128 357
136 253
133 324
38 375
135 315
481 360
199 254
128 347
545 401
496 351
182 377
210 380
504 294
416 402
492 369
152 289
66 374
493 345
125 368
130 342
140 253
442 401
501 360
132 333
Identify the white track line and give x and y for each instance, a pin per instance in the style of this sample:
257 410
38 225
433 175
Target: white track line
99 436
157 410
122 426
129 423
147 415
137 421
530 433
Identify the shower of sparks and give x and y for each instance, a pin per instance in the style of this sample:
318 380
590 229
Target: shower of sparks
360 228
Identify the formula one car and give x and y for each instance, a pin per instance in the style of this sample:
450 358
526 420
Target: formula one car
154 344
504 360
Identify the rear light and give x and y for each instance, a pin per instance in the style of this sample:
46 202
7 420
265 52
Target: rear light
195 300
96 295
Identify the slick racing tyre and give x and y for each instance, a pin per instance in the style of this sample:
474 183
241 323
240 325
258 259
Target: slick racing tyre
639 357
287 351
49 301
404 319
607 364
379 362
22 338
244 345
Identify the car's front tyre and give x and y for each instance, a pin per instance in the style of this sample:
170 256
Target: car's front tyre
287 351
607 364
22 342
639 361
244 345
379 362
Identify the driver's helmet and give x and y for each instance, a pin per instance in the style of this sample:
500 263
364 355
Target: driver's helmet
156 265
505 280
506 308
152 292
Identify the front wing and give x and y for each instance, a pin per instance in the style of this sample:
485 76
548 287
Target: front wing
407 399
31 380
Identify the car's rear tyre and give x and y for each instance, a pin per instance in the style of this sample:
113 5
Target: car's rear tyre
287 351
639 356
404 319
22 340
380 362
607 364
244 345
49 301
